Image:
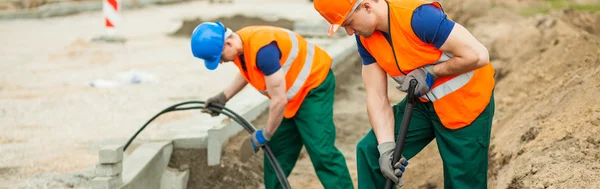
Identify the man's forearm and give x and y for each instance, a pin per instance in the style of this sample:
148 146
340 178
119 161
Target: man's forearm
468 53
235 86
381 118
276 111
455 66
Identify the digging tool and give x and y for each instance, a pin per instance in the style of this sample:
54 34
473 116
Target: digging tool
408 110
235 117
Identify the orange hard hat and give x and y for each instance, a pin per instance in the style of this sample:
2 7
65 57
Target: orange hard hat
335 11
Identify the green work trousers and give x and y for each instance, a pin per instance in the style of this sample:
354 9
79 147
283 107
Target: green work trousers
464 151
313 127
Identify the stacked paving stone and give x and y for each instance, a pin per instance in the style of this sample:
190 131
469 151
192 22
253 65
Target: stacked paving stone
109 169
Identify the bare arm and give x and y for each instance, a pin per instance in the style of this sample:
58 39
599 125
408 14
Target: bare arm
276 89
236 86
468 53
378 103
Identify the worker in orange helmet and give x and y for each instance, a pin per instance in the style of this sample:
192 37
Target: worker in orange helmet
415 39
296 76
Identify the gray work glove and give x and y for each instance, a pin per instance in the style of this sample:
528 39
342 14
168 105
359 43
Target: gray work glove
219 99
425 78
386 155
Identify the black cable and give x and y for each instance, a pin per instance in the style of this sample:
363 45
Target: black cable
250 126
235 117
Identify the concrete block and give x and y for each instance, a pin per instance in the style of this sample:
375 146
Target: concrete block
218 136
174 179
106 170
111 154
190 140
144 167
107 182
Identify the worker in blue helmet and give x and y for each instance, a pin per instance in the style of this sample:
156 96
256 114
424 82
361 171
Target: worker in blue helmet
208 40
296 75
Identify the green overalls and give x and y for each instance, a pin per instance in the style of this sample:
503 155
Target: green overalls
313 127
464 151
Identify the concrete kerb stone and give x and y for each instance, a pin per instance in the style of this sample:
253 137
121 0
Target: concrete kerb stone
146 165
192 140
174 179
341 49
217 136
111 154
108 170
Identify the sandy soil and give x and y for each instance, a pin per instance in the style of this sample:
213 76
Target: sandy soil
546 134
547 120
546 127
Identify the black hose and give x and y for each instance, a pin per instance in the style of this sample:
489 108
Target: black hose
235 117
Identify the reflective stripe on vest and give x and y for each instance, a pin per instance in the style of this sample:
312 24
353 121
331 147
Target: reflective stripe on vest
303 75
445 88
448 86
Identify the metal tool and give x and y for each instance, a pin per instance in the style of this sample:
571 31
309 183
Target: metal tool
408 110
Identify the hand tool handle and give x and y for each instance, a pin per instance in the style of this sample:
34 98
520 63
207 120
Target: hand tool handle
408 110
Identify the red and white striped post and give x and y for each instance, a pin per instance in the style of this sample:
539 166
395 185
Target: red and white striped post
112 18
111 10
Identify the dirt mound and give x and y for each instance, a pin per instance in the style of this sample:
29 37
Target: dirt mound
547 118
548 113
234 23
588 21
547 121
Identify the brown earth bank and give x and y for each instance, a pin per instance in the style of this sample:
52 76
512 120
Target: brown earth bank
546 128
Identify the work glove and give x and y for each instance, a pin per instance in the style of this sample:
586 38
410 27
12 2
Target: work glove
258 139
386 155
425 78
219 99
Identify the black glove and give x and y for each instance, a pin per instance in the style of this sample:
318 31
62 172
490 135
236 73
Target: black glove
219 99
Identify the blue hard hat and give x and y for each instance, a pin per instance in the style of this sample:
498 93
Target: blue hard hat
207 42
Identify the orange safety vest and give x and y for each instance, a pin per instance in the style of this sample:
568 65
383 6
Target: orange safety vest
457 100
304 64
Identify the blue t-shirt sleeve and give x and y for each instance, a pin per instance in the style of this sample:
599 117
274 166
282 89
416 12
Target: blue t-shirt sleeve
431 25
267 58
366 57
